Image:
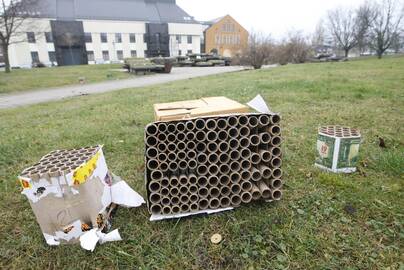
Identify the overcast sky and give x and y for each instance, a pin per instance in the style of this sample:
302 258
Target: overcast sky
276 17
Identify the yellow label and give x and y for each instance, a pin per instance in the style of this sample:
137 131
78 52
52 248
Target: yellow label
82 173
25 184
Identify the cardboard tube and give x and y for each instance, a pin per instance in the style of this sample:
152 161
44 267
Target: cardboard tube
254 140
151 141
190 125
235 166
276 195
173 166
174 181
245 153
222 135
224 146
183 165
214 203
235 188
213 158
183 190
265 171
246 197
201 147
193 189
245 175
154 186
174 191
265 138
225 191
253 121
275 130
162 147
244 142
235 200
151 129
211 136
225 202
276 151
166 210
172 147
171 128
152 164
234 144
244 131
155 198
232 121
164 191
242 120
203 204
265 155
245 164
194 207
202 158
190 136
155 209
224 157
235 177
255 158
162 127
184 208
180 127
235 155
203 192
246 186
264 120
192 164
264 189
161 137
255 192
224 180
171 156
276 183
212 147
181 146
156 175
213 180
192 179
276 162
276 173
184 199
191 145
221 123
255 174
162 157
175 209
191 154
224 169
193 198
183 179
170 138
165 201
151 152
275 119
213 169
200 124
200 135
202 170
202 181
276 141
165 182
211 124
181 136
233 133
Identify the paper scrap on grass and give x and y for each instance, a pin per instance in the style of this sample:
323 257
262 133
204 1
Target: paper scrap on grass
89 239
162 217
259 104
122 194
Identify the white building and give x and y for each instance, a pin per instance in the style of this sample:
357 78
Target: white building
70 32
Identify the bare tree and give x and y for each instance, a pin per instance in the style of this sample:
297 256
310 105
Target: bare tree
258 50
319 35
13 13
386 26
342 26
294 49
365 15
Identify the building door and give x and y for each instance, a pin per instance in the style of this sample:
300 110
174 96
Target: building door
157 39
71 56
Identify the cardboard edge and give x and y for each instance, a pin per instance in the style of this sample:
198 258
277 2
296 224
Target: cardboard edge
209 212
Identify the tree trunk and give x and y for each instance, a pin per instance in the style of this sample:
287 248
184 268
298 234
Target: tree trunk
346 53
6 59
379 54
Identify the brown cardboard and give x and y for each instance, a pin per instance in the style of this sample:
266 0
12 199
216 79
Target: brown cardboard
208 106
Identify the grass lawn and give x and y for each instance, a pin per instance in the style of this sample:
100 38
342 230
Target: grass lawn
38 78
324 221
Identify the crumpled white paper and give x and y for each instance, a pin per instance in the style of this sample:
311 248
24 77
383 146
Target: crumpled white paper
259 104
122 194
89 239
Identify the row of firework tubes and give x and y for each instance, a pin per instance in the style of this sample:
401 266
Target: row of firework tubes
213 163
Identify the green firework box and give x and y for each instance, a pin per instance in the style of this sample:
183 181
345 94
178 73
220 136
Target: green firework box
338 149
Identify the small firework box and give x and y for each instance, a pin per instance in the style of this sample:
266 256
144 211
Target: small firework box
338 149
69 192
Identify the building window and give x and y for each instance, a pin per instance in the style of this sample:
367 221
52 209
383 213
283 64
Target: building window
119 55
49 37
179 52
35 57
105 55
52 57
189 52
133 54
88 38
132 38
118 38
90 56
178 39
31 37
104 38
189 39
145 54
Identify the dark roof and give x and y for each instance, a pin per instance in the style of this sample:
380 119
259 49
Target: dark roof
124 10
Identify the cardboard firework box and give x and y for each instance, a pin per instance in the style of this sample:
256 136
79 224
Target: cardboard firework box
69 192
338 149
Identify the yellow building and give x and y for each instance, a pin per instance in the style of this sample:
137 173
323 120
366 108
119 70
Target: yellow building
225 35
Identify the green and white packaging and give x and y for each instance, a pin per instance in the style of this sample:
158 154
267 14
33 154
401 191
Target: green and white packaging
338 149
